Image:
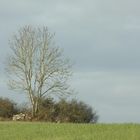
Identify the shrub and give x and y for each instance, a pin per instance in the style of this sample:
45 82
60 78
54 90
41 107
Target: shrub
75 111
7 108
66 111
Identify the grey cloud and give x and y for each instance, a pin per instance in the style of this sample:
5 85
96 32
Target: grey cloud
114 95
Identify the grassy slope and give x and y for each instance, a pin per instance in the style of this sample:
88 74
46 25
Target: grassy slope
49 131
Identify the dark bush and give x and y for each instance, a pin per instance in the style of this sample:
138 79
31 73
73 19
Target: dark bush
49 110
7 108
74 111
66 111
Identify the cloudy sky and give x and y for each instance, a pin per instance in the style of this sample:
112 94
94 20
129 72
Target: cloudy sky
101 37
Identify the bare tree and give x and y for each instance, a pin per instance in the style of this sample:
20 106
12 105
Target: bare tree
37 66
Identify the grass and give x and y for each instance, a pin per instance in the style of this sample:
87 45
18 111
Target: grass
52 131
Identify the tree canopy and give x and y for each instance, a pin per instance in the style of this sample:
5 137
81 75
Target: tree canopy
36 66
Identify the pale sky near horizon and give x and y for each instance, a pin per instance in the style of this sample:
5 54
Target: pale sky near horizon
100 37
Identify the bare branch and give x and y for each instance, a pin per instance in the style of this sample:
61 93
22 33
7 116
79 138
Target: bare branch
36 65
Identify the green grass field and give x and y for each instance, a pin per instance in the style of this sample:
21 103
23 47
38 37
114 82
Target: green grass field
50 131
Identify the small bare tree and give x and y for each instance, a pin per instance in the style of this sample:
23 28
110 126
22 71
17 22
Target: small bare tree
37 66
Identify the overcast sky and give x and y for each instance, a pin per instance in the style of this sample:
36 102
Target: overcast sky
102 38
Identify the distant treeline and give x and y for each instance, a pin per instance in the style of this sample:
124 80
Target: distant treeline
51 111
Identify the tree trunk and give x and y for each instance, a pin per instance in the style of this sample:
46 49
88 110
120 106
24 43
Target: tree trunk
35 108
33 111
